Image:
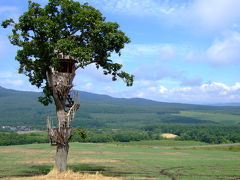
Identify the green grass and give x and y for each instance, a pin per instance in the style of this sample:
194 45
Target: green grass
217 117
132 160
225 148
160 143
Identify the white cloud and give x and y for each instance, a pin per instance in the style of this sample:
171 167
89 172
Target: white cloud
155 72
91 73
195 81
215 14
207 93
162 89
222 51
236 86
214 92
225 51
87 87
136 7
140 95
206 14
161 51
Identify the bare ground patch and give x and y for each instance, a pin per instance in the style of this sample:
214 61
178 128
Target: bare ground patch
175 153
93 152
21 150
41 161
169 136
92 160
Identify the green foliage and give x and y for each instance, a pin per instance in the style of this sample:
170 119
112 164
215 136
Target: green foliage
12 138
209 133
214 134
6 23
68 27
106 135
78 135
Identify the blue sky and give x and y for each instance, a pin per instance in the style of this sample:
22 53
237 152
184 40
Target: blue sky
185 51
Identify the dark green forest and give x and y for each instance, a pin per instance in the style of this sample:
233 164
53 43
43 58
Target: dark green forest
212 134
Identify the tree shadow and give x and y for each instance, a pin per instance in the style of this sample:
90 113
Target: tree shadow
89 168
34 170
93 169
37 170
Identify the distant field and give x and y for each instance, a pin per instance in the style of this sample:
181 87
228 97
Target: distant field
216 117
161 143
135 160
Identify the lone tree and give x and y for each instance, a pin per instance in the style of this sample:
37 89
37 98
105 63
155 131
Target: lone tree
54 41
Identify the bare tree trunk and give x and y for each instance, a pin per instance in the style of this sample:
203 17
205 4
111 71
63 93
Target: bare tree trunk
61 84
62 143
61 157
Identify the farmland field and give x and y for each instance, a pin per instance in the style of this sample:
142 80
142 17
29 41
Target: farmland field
216 117
136 160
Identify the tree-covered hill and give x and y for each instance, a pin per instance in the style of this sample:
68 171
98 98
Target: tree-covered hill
102 111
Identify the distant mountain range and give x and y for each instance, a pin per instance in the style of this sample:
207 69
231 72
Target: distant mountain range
226 104
103 111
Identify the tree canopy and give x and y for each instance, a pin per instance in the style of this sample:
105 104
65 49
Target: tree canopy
68 27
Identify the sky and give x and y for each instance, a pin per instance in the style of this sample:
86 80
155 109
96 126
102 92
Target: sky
184 51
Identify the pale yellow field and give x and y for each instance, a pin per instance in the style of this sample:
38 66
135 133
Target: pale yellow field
168 135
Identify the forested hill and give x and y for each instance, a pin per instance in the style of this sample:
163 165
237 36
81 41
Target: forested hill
102 111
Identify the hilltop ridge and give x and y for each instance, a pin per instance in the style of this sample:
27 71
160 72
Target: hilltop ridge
22 108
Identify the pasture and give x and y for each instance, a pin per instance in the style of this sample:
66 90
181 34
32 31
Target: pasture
135 160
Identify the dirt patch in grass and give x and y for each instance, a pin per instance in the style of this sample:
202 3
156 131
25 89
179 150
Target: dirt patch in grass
8 150
27 151
68 175
41 161
92 160
92 152
144 153
175 153
169 136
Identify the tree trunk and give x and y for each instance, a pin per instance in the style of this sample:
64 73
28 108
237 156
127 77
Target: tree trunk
62 142
61 84
61 157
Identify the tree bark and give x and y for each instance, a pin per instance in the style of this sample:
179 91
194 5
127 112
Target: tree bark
61 157
61 84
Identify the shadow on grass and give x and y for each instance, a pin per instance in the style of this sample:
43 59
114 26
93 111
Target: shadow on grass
29 171
37 170
104 170
89 168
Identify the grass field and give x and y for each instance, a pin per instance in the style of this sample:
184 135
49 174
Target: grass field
135 160
216 117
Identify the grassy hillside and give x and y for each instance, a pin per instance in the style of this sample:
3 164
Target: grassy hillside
131 161
22 108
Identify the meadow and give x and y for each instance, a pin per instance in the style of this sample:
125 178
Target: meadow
158 159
